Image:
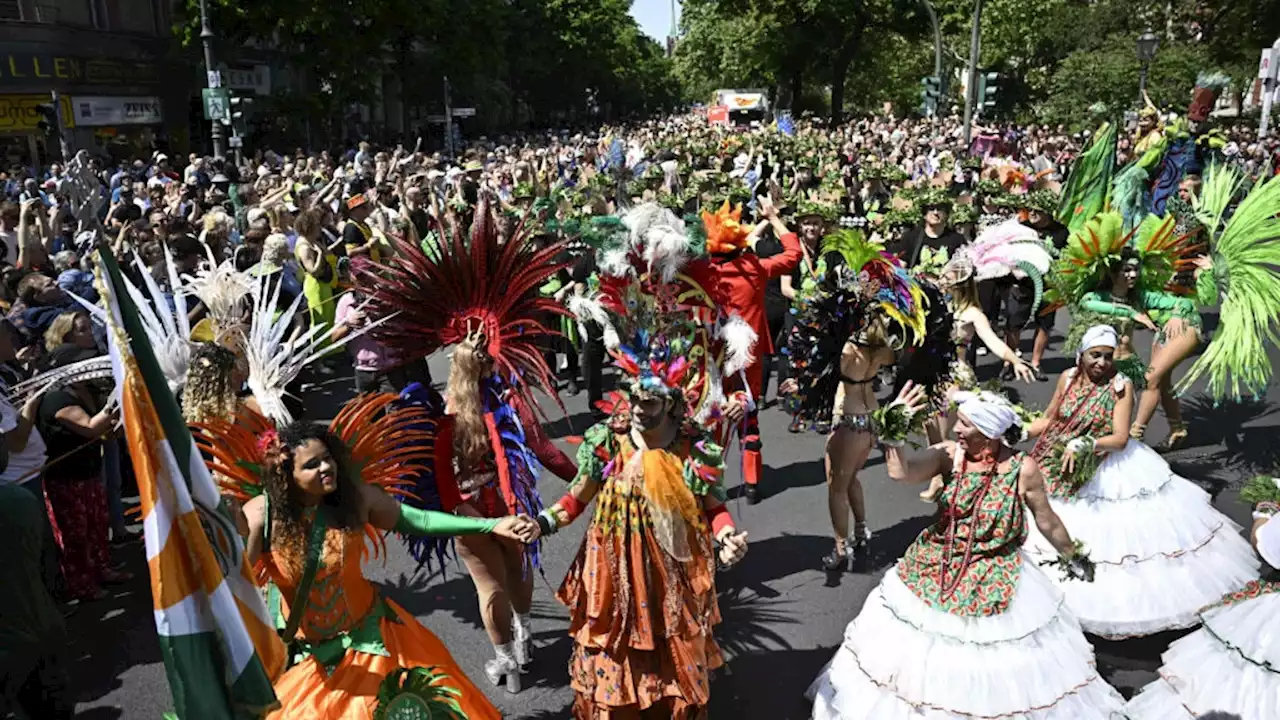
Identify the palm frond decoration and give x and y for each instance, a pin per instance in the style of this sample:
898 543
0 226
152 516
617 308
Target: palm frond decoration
418 693
1246 272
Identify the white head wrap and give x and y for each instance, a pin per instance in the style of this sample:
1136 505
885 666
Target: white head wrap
1098 336
990 413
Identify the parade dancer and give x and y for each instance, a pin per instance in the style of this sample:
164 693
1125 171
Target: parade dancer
1162 550
641 592
964 626
1231 666
315 500
1108 276
481 297
746 276
866 310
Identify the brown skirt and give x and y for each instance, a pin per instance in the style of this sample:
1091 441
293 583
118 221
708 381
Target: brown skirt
642 624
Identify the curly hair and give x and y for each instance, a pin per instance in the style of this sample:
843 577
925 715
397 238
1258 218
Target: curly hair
210 393
286 512
471 435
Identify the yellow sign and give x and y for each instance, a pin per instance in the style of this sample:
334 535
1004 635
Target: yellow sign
19 113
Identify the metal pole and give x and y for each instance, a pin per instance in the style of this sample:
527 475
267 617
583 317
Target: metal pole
1142 83
937 47
448 121
975 50
206 38
62 126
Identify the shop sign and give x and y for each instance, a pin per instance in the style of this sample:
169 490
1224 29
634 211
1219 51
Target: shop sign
100 111
256 79
19 113
59 70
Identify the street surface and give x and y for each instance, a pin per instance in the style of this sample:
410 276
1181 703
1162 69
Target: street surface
783 616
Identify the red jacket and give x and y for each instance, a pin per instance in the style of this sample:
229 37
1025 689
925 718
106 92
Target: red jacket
745 276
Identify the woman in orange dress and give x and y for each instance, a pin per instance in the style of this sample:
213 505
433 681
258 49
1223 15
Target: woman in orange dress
354 654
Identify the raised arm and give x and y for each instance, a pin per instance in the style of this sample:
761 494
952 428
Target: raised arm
982 328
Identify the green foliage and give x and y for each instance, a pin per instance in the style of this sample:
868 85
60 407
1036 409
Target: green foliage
1057 57
515 60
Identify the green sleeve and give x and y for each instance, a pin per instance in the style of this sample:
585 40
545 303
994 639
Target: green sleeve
1206 289
414 521
1095 304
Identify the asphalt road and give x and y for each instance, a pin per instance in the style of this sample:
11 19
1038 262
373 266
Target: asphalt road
783 616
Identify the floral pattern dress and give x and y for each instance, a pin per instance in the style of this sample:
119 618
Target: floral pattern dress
968 563
640 618
1086 411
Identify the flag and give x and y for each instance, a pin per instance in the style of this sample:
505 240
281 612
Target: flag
220 649
1088 189
786 124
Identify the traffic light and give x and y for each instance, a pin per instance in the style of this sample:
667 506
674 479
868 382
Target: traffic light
48 123
239 107
932 94
988 88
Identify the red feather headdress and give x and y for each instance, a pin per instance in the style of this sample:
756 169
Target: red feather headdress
476 284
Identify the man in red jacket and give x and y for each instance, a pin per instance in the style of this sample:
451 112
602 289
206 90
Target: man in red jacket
744 276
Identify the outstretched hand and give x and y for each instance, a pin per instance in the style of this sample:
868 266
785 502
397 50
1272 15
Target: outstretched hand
913 397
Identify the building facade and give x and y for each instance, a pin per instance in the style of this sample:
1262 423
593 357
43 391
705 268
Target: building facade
111 63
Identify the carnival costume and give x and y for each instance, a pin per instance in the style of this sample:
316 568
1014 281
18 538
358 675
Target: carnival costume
354 654
1162 550
745 276
1231 665
1087 263
964 626
641 592
1244 277
480 288
866 287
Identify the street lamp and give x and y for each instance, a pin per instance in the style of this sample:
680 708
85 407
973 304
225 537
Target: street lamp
206 38
1148 43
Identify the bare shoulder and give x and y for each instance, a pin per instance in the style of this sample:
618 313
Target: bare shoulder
255 511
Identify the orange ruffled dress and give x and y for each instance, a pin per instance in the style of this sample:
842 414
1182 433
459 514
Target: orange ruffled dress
641 620
354 638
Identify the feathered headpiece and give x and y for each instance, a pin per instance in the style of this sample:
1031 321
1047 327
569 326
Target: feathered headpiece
1002 249
863 295
725 231
660 307
386 446
1095 251
478 286
225 292
1245 276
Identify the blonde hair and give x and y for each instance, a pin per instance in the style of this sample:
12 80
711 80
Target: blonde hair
60 328
965 294
471 435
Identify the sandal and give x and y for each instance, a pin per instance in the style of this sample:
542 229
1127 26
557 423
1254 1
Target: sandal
1177 437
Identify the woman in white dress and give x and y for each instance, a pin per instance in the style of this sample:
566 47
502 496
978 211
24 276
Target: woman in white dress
1163 552
963 626
1232 664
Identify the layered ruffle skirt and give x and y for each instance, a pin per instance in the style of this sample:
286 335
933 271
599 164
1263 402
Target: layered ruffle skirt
1231 665
1162 551
901 659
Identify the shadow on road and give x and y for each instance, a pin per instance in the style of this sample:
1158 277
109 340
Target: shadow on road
767 684
1245 450
1131 663
889 544
104 646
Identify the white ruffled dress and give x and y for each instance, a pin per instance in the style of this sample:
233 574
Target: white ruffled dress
906 658
1230 665
1163 552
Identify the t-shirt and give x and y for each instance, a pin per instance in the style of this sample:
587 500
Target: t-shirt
908 247
774 301
30 458
9 240
83 457
365 351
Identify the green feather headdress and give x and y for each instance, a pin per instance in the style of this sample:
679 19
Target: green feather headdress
1246 273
